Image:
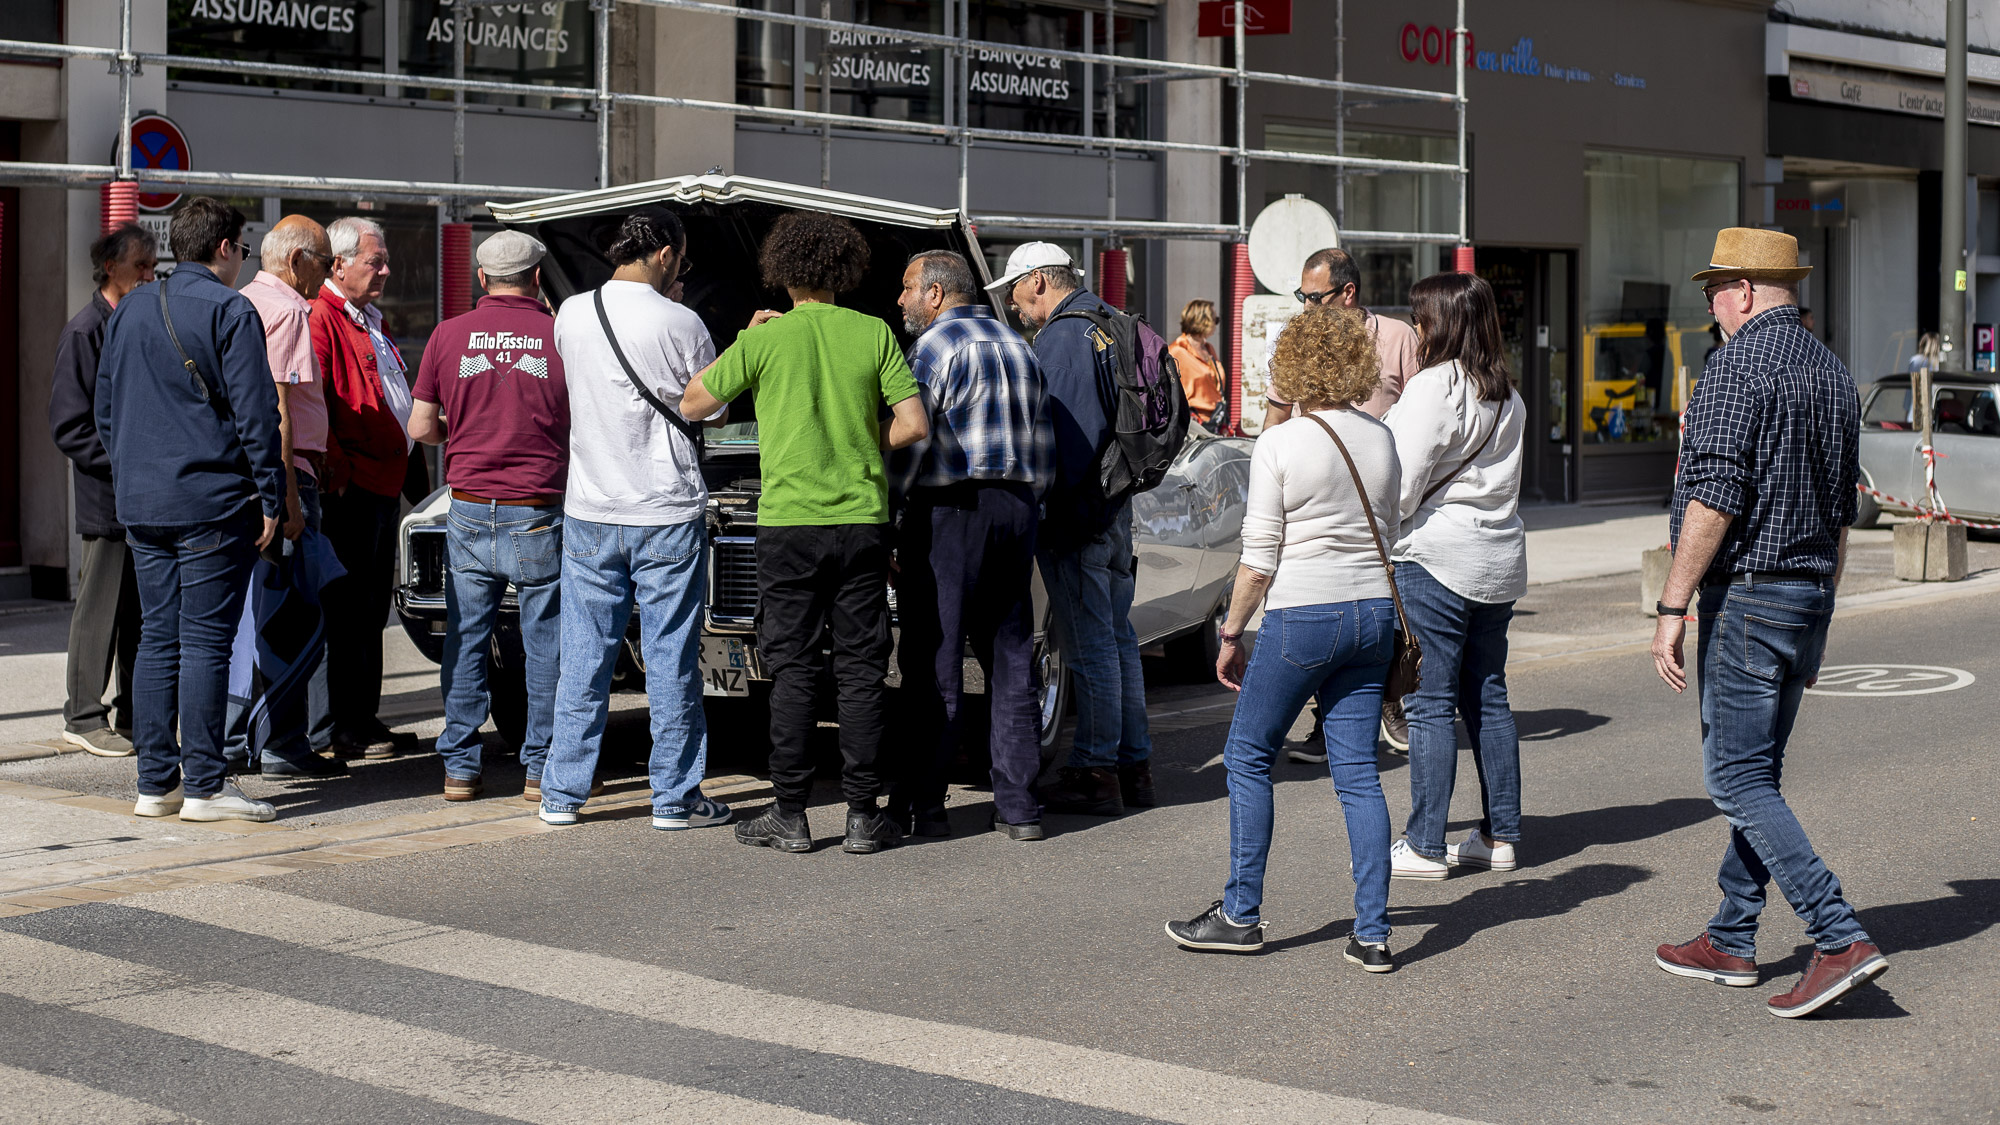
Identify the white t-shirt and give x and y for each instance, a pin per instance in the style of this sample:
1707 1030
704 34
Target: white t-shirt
627 464
1303 522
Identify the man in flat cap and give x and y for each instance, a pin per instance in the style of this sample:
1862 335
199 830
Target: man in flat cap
1761 508
491 388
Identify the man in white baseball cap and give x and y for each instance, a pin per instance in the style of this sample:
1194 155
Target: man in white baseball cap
1027 258
493 377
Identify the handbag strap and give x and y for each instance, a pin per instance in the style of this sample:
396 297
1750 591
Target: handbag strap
689 430
194 372
1467 463
1374 529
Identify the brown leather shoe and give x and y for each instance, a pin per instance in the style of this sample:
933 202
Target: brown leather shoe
1135 785
461 788
531 790
1703 961
1829 976
1092 792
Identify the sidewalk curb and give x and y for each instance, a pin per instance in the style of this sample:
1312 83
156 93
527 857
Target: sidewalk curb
29 751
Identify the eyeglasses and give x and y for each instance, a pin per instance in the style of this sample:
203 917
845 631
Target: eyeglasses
325 260
242 248
1305 298
687 267
1709 291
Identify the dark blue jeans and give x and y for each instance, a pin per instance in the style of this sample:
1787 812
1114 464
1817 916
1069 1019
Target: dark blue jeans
1465 672
306 724
1090 609
1339 654
1759 646
491 546
968 560
191 586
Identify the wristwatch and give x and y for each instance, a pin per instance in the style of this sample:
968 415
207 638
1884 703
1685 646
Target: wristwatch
1231 638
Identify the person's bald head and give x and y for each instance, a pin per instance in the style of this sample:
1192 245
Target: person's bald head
298 253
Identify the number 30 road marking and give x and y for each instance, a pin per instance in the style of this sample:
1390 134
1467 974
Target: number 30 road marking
1889 679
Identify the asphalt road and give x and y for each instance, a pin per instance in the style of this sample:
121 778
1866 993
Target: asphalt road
613 972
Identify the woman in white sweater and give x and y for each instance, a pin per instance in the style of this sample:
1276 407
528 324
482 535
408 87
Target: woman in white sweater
1310 563
1462 560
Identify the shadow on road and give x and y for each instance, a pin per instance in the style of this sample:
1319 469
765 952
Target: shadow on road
1971 909
1516 900
1548 839
1556 722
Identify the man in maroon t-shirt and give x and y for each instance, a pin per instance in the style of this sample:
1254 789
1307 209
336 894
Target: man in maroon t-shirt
491 389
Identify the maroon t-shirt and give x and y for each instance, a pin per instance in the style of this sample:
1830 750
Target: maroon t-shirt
495 375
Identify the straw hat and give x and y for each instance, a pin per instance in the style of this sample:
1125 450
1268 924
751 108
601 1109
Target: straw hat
1760 255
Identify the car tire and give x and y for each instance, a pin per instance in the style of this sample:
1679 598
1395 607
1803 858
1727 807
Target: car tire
1867 513
507 686
1053 680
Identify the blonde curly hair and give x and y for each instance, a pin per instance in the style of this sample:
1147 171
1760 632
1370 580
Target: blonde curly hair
1326 358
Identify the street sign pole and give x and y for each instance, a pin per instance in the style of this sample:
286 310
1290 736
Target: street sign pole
1951 301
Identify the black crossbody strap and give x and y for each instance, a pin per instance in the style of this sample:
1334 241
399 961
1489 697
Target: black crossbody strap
194 372
689 430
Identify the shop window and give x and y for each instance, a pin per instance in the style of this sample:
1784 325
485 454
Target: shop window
1417 202
871 76
545 42
1652 225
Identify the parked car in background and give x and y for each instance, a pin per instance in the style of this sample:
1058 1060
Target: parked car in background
1965 435
1186 531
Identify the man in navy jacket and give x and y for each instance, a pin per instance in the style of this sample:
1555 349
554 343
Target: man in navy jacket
189 416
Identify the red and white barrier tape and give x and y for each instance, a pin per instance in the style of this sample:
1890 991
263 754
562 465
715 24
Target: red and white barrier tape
1941 515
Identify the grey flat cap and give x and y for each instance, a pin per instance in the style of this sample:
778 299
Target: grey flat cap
509 252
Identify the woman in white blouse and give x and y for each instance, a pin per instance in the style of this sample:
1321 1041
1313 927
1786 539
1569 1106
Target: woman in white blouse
1310 563
1462 560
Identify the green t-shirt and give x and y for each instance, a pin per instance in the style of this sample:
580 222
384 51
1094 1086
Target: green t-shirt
822 374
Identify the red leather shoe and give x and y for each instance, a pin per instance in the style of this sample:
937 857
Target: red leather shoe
1702 960
1829 976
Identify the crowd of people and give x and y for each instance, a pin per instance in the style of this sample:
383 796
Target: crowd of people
230 443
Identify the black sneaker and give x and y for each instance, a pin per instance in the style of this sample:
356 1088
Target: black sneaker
1092 792
1026 830
1313 750
1212 930
299 765
774 829
1372 956
1135 785
869 832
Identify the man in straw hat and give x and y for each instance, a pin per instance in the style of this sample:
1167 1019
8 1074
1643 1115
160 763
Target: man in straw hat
1761 509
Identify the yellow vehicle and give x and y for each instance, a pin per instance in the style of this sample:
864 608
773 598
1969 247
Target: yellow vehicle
1631 379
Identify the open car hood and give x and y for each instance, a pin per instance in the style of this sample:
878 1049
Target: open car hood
726 219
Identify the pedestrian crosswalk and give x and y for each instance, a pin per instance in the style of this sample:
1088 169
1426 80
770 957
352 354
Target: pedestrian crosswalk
399 1019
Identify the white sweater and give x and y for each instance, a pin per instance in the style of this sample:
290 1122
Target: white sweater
1303 523
1468 535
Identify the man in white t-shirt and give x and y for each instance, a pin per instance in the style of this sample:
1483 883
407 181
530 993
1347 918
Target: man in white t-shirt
633 525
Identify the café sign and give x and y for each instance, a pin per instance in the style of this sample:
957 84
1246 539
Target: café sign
1863 88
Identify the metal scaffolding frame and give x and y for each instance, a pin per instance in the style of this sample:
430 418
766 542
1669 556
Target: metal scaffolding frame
457 194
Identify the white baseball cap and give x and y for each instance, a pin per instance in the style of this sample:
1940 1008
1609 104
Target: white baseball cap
1028 257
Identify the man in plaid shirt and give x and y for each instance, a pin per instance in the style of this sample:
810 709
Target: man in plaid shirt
967 544
1761 508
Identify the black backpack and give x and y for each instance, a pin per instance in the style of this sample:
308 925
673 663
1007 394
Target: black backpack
1148 410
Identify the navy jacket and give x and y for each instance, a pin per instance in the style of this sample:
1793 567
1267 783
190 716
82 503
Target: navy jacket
177 460
1080 368
73 418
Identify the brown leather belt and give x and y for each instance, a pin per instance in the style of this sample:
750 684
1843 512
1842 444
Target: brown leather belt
315 458
523 502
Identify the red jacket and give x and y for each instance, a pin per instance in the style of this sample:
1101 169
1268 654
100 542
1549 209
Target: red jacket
368 447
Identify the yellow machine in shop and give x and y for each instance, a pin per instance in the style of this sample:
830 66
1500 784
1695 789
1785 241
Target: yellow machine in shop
1632 391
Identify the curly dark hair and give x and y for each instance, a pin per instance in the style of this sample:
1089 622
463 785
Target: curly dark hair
814 250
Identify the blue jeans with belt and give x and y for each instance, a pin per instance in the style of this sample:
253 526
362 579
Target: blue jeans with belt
1465 673
489 547
1759 645
1339 654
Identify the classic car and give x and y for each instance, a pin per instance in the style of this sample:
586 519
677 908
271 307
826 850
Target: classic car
1965 435
1185 531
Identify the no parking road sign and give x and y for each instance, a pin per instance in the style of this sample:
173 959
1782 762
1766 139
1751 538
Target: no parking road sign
159 143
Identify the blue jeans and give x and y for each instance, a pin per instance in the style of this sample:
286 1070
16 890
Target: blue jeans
192 581
490 546
1338 653
605 569
319 712
1465 671
1090 595
1759 646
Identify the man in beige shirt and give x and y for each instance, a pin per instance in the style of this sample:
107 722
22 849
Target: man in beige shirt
1331 278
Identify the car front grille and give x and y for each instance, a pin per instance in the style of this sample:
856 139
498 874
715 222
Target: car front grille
732 593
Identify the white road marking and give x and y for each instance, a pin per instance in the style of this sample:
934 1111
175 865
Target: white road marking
379 1052
1875 680
43 1099
1041 1068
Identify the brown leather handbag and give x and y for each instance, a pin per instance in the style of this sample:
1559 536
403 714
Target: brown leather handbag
1406 666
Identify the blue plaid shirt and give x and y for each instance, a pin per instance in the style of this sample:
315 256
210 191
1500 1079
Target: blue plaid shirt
1773 439
988 404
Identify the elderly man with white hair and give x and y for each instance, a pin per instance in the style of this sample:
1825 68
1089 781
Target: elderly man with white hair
367 456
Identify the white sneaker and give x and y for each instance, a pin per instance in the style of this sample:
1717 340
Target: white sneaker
703 813
1474 853
228 804
552 816
166 804
1405 863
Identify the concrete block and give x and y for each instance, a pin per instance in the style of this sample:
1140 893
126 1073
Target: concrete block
1654 566
1930 552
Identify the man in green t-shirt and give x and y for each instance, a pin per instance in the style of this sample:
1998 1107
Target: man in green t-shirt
821 375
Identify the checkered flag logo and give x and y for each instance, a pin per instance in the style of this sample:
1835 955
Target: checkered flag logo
533 365
470 365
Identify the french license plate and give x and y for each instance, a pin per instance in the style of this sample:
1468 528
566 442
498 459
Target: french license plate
727 666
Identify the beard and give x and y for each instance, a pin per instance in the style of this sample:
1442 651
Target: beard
914 323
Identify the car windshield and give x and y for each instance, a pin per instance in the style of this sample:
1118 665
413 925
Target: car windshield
734 434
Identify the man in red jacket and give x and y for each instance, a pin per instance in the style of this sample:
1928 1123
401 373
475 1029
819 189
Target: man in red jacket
367 456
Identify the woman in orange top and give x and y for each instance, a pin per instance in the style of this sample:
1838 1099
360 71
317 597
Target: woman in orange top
1201 371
